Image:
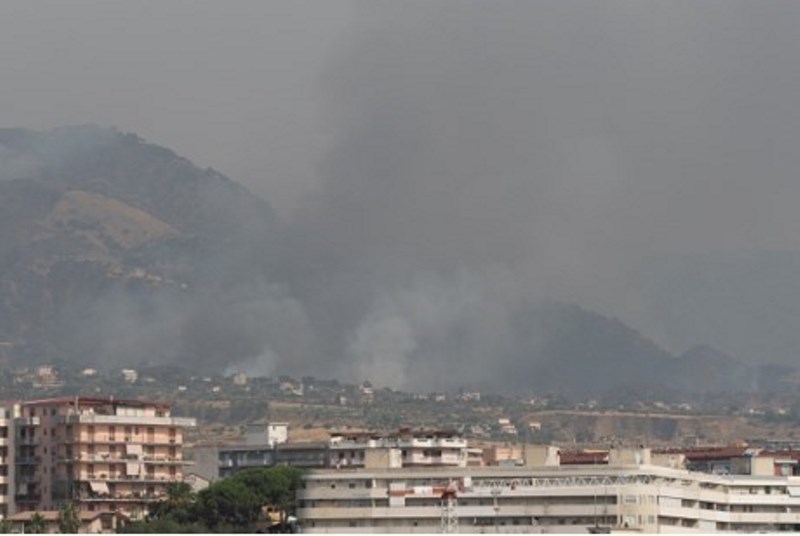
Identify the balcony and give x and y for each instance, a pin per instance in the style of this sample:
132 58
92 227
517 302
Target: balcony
122 497
127 497
28 460
27 421
134 479
91 418
28 441
163 460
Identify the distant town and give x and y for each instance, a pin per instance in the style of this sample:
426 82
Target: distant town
225 404
113 446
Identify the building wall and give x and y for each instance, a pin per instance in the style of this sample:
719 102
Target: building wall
112 455
7 506
548 499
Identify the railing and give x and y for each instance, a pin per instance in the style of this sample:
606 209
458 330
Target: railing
30 497
132 478
26 421
93 418
135 497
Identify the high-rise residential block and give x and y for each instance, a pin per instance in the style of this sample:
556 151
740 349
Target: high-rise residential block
100 453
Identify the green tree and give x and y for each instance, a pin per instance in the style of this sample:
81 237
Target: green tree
68 519
177 506
228 502
5 526
180 495
274 486
36 525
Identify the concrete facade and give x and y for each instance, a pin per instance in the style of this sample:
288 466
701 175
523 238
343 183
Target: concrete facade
626 497
7 505
102 454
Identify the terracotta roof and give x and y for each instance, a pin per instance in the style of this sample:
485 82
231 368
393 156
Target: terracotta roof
709 453
584 458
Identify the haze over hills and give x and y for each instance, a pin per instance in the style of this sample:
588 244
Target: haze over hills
115 251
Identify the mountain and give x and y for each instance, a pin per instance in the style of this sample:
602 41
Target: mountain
115 251
106 242
583 353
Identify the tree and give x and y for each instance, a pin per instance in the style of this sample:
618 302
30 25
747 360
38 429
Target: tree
274 486
5 526
36 525
227 503
68 518
180 495
177 506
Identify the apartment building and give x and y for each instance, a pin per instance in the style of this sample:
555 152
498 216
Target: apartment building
420 448
101 453
424 448
6 463
628 494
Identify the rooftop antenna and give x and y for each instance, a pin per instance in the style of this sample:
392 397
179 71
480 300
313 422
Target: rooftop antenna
449 509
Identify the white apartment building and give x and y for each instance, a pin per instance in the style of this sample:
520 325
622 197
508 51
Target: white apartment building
629 494
416 448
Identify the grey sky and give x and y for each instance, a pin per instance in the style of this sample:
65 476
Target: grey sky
561 149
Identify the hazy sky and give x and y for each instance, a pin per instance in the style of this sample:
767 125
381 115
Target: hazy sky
558 149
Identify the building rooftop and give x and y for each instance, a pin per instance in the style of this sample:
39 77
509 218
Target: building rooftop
95 401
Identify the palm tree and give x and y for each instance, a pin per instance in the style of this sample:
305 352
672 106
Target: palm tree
36 525
68 519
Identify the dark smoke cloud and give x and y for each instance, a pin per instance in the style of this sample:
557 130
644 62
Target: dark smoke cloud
480 157
560 150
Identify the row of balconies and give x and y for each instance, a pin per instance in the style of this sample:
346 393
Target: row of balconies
117 458
435 511
103 439
122 497
90 418
129 478
732 517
